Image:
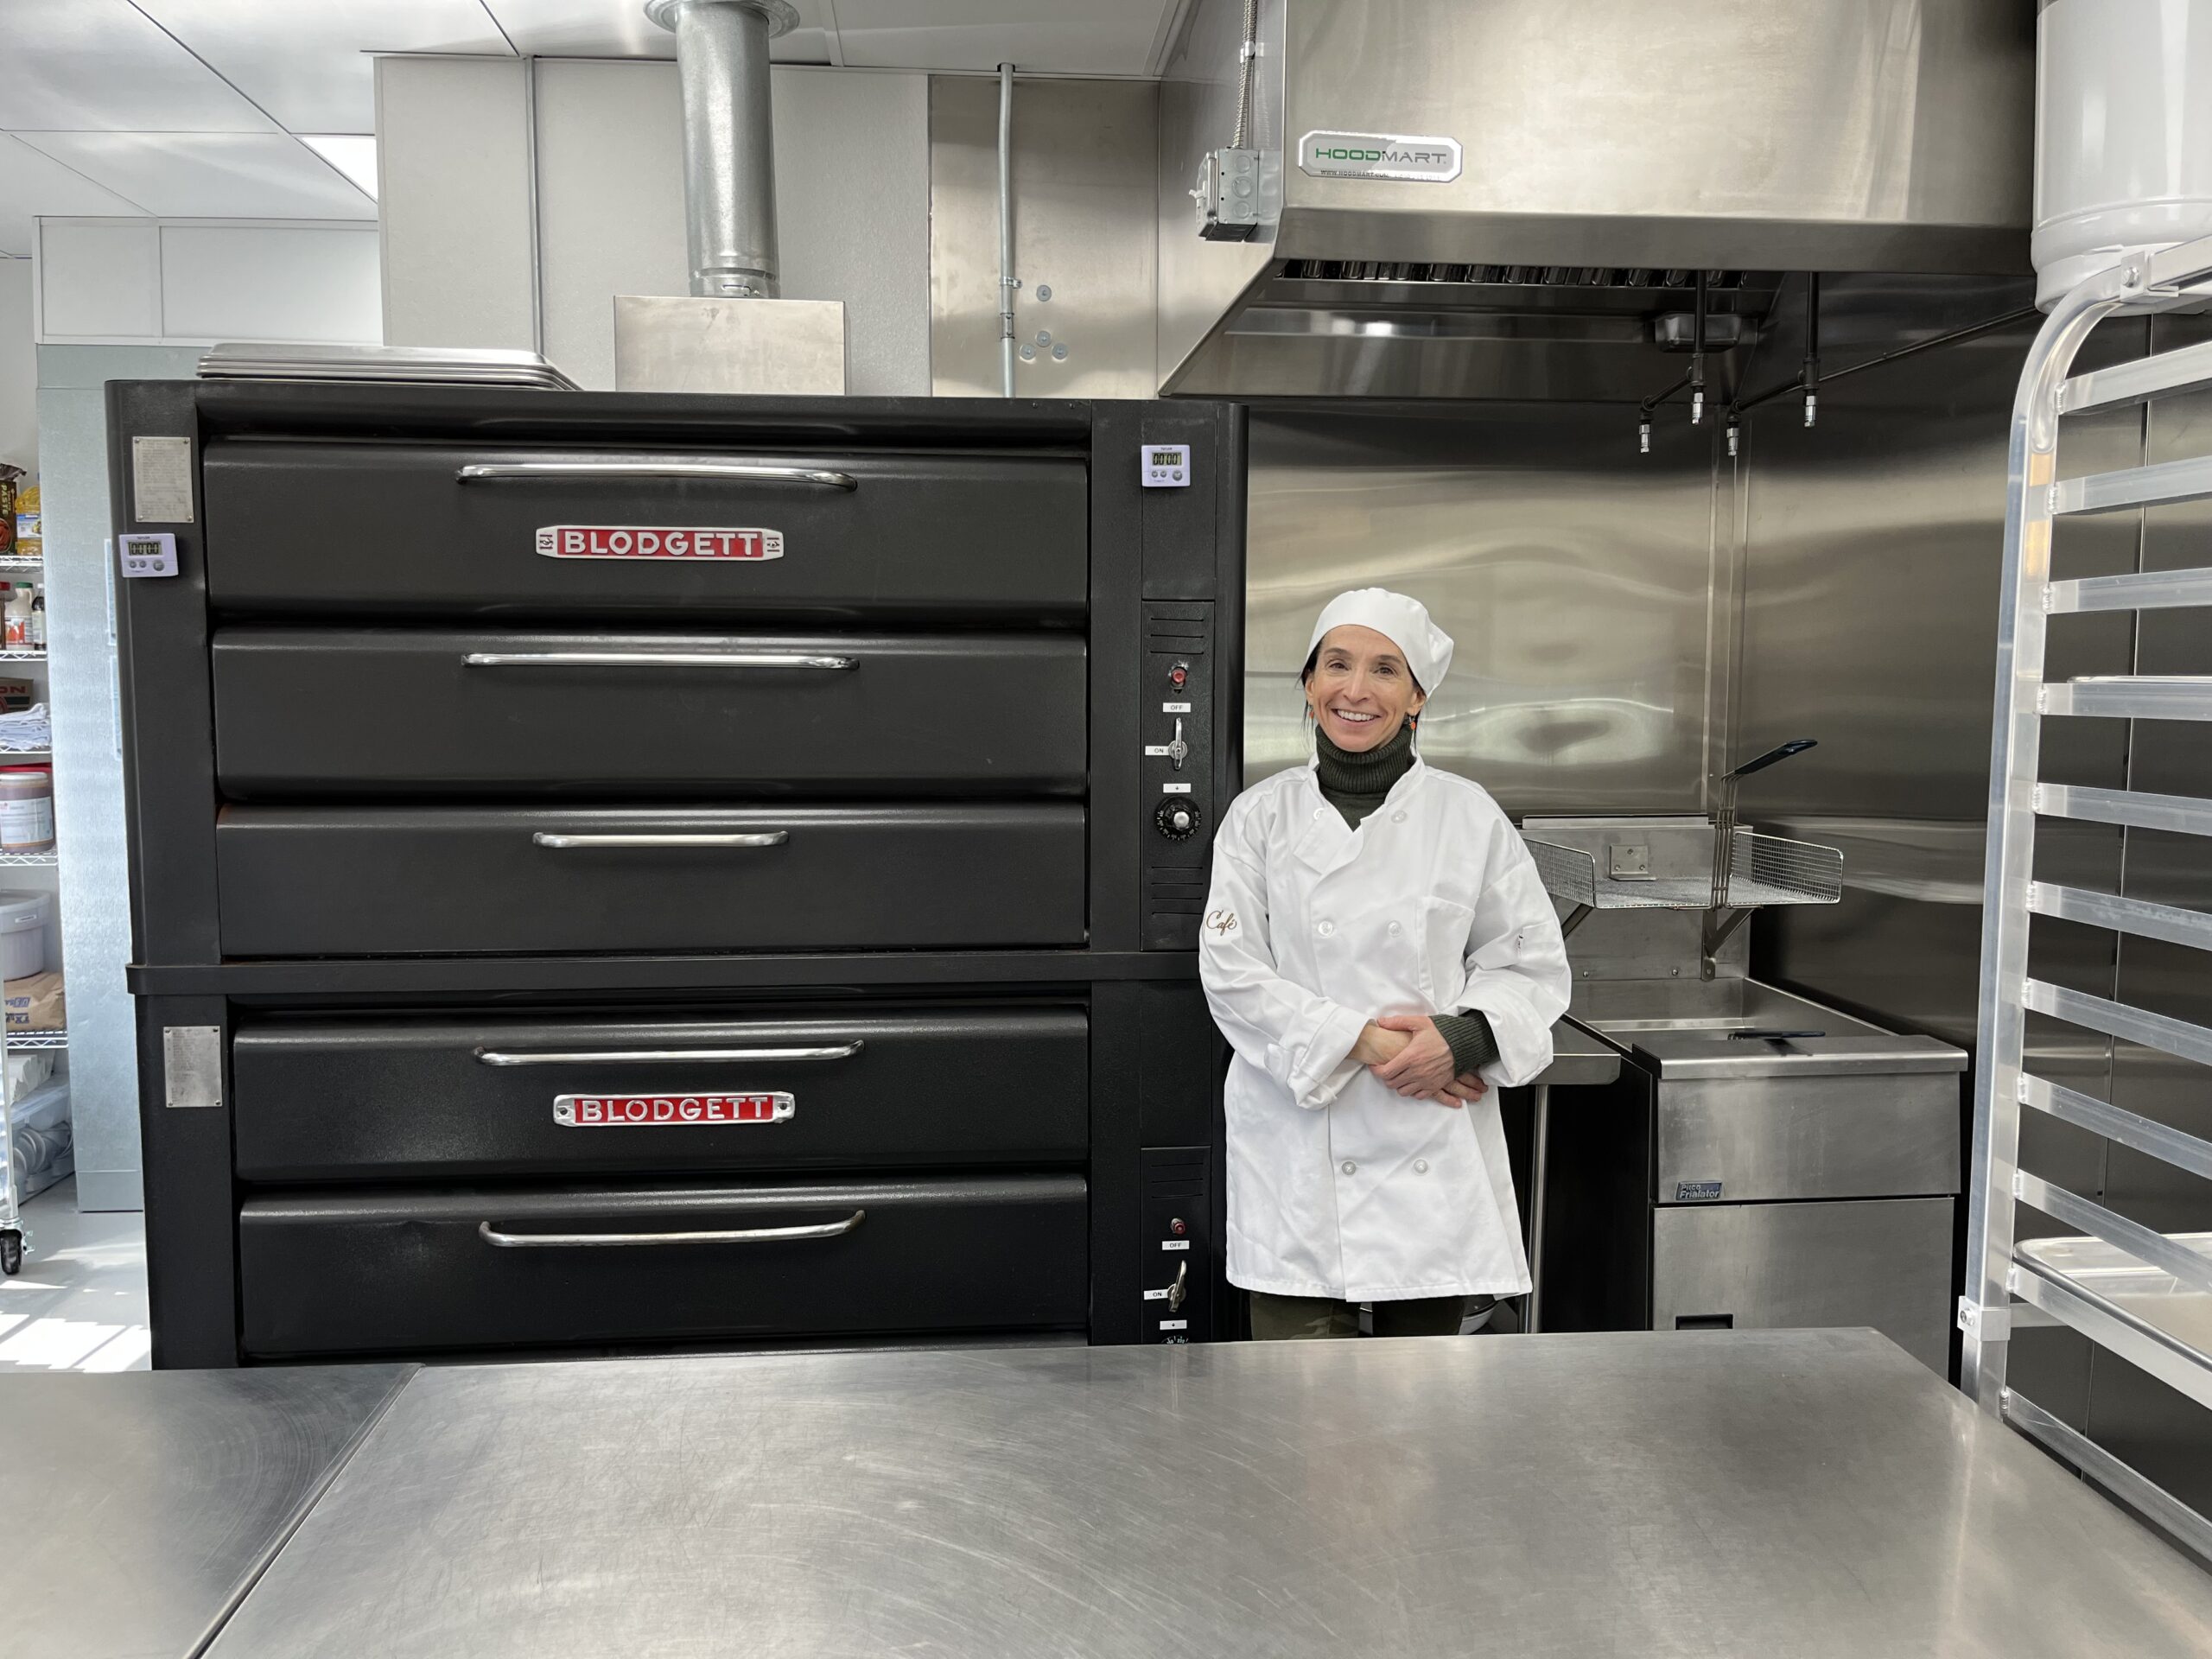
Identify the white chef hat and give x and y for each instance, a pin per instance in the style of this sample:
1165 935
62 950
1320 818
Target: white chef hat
1404 622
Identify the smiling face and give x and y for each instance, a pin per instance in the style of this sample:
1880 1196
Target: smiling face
1359 688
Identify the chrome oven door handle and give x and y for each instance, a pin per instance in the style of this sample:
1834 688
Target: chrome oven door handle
747 838
661 1056
504 1241
694 467
653 659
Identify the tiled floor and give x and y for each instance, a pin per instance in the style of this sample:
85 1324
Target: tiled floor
80 1303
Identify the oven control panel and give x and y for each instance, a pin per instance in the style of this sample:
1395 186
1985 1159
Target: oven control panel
1175 720
1177 1271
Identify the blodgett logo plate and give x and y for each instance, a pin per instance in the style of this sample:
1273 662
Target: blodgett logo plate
658 542
1379 156
661 1111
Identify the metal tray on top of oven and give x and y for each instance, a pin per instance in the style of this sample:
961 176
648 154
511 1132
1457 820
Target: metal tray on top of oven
447 365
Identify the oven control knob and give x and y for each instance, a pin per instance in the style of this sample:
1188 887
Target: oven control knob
1177 818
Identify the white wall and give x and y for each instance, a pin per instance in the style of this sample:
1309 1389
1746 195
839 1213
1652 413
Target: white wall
196 282
18 367
453 201
852 184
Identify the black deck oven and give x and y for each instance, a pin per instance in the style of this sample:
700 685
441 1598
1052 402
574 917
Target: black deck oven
614 872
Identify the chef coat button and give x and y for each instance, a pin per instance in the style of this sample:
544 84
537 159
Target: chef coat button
1320 813
1421 1165
1349 1167
1399 817
1324 929
1394 927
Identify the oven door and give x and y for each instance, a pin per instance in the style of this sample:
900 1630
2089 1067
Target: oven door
450 1269
387 1098
308 712
485 531
355 880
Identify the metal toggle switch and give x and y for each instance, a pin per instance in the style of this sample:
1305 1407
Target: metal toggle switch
1178 750
1181 1289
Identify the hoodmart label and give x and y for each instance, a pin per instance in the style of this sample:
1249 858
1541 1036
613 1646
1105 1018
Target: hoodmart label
1379 156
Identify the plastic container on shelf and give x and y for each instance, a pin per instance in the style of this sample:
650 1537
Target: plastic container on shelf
26 810
24 918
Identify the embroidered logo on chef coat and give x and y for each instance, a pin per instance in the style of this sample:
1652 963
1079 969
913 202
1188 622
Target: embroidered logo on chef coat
1221 921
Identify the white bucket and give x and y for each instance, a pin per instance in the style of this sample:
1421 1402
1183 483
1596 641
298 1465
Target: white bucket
23 917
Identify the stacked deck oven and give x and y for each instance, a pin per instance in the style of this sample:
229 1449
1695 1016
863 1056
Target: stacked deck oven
616 872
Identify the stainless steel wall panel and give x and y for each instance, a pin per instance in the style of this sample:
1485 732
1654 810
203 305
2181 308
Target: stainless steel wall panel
1085 166
1200 280
1573 574
88 795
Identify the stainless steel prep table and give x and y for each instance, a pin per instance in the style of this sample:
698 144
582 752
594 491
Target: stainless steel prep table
1808 1492
141 1505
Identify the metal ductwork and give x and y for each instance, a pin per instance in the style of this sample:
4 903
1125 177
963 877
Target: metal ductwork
734 334
1430 198
729 141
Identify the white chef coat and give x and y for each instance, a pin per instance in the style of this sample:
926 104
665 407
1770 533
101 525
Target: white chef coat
1338 1185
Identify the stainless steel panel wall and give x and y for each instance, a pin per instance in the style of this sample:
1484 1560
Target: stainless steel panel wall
1199 280
103 1059
1085 168
1574 575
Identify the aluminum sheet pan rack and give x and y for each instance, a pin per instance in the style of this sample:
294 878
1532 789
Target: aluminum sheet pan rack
2143 1294
1768 870
400 365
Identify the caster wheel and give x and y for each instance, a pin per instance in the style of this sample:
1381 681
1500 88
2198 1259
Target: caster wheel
11 1253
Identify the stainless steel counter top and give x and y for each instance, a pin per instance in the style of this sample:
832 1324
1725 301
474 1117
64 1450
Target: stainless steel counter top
1810 1493
1579 1058
141 1504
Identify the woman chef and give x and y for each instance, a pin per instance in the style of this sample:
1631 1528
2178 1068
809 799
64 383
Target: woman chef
1378 951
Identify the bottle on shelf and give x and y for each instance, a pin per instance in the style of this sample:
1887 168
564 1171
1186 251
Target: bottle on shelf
19 616
38 621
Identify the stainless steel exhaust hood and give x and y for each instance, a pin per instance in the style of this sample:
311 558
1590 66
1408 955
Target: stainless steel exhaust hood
1495 198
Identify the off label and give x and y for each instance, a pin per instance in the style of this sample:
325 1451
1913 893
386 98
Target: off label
745 546
1174 1243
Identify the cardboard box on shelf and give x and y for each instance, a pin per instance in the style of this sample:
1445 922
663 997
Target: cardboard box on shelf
35 1003
16 696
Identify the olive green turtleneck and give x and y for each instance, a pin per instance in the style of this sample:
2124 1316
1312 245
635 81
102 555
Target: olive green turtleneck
1355 784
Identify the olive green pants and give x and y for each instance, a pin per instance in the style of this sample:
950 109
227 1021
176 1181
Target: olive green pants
1313 1318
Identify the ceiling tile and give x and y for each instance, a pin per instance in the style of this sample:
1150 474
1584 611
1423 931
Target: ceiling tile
210 174
620 29
308 65
73 65
33 183
1053 37
351 154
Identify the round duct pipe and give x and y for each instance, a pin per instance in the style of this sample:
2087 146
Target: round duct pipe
2123 133
729 146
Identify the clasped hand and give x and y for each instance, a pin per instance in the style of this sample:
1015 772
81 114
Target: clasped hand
1407 1052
